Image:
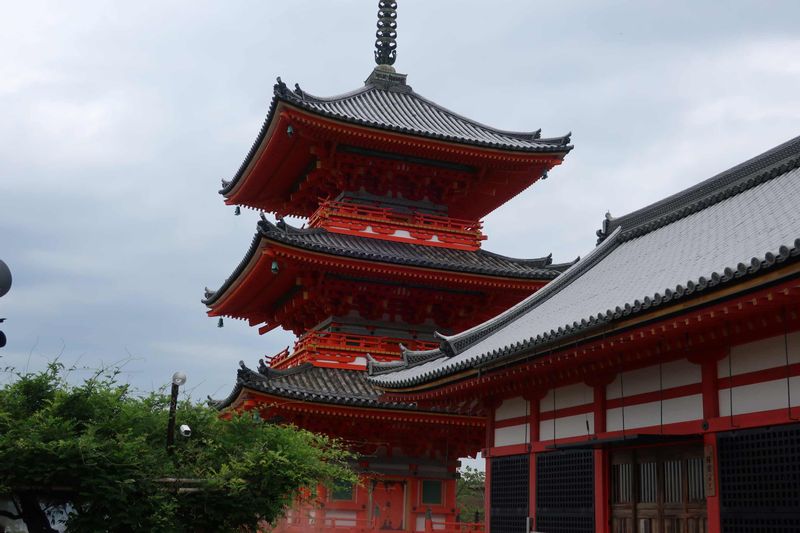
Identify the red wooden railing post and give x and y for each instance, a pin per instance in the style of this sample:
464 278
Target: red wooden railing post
347 217
428 521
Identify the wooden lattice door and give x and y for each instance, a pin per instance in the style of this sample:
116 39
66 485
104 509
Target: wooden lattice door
658 490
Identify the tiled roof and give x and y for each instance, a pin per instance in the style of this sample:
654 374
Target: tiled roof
399 253
395 106
311 384
736 225
385 102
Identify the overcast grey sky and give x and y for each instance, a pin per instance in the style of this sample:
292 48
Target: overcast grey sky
118 120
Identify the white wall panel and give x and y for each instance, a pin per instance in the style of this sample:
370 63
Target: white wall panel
636 416
337 518
673 374
757 397
567 426
683 409
511 435
760 355
420 522
511 408
569 396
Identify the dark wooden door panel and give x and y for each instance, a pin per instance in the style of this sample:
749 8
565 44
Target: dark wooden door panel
658 490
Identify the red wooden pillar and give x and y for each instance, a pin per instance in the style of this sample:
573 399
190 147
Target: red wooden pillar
414 499
491 405
533 436
707 360
712 483
428 521
710 387
602 511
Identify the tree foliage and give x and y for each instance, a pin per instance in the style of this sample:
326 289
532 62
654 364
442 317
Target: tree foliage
99 449
470 493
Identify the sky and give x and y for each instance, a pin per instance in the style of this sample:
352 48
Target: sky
118 121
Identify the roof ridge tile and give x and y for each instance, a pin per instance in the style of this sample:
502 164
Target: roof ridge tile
735 180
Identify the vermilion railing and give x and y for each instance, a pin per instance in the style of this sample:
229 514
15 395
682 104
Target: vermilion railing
344 348
384 222
307 524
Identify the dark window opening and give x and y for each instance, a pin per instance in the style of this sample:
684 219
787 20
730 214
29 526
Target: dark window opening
343 491
432 492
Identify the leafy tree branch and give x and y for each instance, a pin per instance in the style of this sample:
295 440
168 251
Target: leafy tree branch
98 450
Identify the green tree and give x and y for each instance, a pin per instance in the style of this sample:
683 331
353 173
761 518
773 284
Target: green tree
470 493
98 451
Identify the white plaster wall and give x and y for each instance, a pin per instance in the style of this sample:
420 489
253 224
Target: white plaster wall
757 397
511 435
342 518
420 525
511 408
673 374
568 396
567 426
760 355
683 409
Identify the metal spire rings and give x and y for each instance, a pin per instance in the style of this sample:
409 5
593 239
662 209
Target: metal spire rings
385 42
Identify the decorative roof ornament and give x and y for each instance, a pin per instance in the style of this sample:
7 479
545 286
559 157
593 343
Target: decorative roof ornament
386 36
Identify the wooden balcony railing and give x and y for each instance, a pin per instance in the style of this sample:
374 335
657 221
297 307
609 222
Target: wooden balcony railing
307 524
343 349
390 224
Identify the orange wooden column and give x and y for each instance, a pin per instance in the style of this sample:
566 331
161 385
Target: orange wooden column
712 483
533 398
710 386
602 481
491 405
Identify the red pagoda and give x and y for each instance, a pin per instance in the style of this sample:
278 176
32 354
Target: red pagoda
393 188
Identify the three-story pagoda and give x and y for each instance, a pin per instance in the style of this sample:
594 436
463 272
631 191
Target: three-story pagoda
393 187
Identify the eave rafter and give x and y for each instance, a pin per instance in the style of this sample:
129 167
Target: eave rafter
460 435
288 173
299 296
251 399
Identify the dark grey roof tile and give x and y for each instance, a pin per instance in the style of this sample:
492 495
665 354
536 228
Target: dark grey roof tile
316 239
396 107
314 384
738 224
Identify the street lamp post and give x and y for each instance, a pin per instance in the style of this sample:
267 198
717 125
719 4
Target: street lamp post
178 379
5 285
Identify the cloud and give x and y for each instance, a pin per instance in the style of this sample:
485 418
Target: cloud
119 121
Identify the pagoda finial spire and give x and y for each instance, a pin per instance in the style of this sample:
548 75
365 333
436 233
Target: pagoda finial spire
386 36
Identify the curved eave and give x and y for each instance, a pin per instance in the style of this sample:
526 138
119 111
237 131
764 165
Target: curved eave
270 236
608 333
252 387
682 296
557 146
541 271
248 261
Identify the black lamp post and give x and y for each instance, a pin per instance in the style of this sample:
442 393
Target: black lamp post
178 379
5 285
